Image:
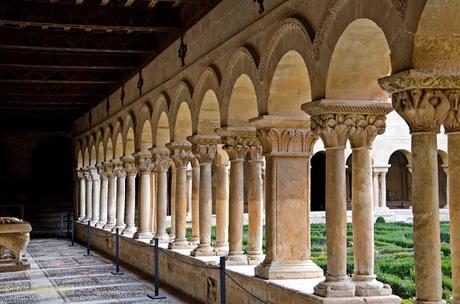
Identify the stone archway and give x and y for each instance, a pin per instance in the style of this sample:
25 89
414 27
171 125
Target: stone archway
398 181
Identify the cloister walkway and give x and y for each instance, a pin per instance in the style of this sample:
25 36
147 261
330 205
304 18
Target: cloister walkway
61 274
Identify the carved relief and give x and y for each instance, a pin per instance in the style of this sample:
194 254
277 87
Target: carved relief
101 171
286 140
204 148
452 121
181 153
144 163
423 109
366 129
118 169
237 142
14 236
129 165
333 129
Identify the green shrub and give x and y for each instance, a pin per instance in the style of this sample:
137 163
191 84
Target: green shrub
380 220
398 267
403 288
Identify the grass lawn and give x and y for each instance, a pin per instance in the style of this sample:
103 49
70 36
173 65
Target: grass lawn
394 255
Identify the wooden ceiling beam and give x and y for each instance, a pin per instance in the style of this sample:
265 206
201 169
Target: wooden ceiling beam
65 67
45 49
64 16
59 82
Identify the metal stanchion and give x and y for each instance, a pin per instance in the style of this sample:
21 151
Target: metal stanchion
61 224
72 233
117 254
88 237
223 293
157 295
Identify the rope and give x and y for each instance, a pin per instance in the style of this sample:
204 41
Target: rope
245 290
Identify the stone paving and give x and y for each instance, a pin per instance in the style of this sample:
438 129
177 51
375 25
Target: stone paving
61 274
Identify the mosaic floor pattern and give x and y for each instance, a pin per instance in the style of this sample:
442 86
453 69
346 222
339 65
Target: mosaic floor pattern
61 274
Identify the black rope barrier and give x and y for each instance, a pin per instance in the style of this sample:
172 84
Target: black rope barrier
245 290
88 240
157 295
117 253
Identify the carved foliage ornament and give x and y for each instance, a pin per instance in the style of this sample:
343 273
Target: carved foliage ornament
162 162
333 129
145 164
238 146
181 154
280 140
452 121
366 129
205 153
423 109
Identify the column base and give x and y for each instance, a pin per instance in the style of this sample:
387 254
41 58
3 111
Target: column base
162 238
146 235
100 224
354 300
94 222
279 270
454 301
179 244
86 220
81 219
431 302
120 228
108 226
221 249
255 258
195 241
203 250
236 258
335 287
368 286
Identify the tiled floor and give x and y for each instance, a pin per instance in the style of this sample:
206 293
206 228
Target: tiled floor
61 274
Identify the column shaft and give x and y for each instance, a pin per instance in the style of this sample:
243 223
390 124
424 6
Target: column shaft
120 210
180 241
130 228
221 210
454 211
82 198
96 198
111 202
236 204
196 172
255 203
162 201
173 204
89 201
375 188
427 243
383 189
144 208
103 202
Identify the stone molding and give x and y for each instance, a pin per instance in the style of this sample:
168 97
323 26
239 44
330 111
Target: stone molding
421 79
336 121
144 162
181 153
161 159
238 141
204 148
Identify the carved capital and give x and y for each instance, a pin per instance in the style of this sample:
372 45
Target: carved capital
118 169
161 159
87 174
452 120
129 164
204 148
238 141
423 109
335 121
108 169
80 173
101 171
181 153
144 162
286 140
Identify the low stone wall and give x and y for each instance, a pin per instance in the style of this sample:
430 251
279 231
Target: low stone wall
196 279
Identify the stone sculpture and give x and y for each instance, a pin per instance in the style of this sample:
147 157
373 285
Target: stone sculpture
14 237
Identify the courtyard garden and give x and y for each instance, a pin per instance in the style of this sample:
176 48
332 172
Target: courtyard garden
394 255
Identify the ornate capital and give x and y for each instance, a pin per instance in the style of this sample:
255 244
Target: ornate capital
181 153
204 148
335 121
286 140
129 164
80 173
423 109
118 169
144 162
108 169
238 141
452 120
161 159
101 171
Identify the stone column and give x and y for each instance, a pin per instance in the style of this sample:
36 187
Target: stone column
446 170
204 149
120 173
81 196
161 166
145 167
236 144
103 197
375 188
368 122
383 187
130 207
189 193
221 247
173 203
333 129
95 196
286 143
111 196
196 204
181 155
452 129
255 205
422 99
89 195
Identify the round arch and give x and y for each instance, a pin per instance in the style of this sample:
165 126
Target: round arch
398 180
209 114
183 123
242 105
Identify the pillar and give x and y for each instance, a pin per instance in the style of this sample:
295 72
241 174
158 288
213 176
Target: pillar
383 187
375 188
81 196
145 167
423 109
173 204
452 128
333 130
111 196
255 205
189 193
121 188
181 155
204 149
367 124
88 196
162 162
103 197
196 203
95 196
130 198
446 170
221 247
286 144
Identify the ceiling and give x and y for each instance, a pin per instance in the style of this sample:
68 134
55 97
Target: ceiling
58 58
